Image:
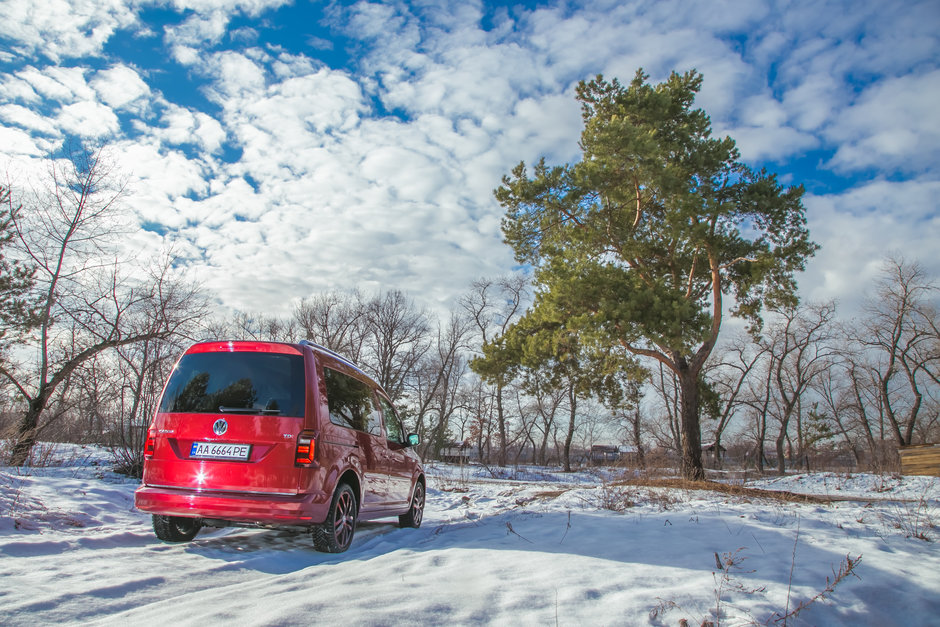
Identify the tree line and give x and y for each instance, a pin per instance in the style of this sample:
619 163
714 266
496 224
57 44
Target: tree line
635 255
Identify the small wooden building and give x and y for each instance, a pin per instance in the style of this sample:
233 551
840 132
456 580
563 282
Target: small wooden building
920 459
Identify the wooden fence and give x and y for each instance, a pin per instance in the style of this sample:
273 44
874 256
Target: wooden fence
923 459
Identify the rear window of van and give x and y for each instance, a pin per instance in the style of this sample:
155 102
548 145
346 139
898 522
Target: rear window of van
233 383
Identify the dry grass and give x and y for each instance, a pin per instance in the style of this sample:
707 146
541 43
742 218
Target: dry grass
732 490
550 494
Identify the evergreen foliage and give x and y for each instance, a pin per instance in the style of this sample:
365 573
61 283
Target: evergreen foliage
17 308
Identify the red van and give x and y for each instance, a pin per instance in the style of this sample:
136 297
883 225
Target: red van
268 434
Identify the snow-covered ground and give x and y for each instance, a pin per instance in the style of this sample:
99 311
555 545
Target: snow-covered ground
532 547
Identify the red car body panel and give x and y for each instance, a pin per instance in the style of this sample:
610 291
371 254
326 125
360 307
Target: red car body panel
269 488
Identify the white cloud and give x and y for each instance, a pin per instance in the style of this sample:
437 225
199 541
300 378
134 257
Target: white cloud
208 25
195 33
895 124
69 29
235 74
161 175
179 123
120 87
26 118
58 83
283 125
183 126
548 126
248 7
860 227
380 202
815 102
208 132
18 142
15 89
88 119
289 65
64 29
186 55
762 143
409 176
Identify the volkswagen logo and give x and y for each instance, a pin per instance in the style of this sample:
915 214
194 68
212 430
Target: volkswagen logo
220 426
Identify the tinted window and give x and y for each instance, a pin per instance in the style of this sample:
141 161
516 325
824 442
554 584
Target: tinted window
351 403
392 423
260 383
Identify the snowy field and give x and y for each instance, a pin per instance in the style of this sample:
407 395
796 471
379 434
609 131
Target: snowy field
533 547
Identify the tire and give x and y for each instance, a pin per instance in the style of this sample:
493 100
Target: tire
336 533
175 528
415 514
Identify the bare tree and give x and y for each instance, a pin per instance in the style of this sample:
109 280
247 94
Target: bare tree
87 304
834 389
493 305
140 370
480 404
758 399
547 400
900 333
868 408
520 429
729 373
216 328
631 419
336 319
444 368
396 340
258 326
667 431
801 343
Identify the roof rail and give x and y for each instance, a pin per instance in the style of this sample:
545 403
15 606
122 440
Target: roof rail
328 351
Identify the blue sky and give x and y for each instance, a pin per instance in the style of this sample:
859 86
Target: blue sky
283 148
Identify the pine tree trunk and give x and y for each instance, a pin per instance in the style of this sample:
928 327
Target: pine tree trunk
501 419
640 456
691 464
573 405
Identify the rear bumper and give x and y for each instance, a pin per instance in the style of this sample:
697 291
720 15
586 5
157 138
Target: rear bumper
264 509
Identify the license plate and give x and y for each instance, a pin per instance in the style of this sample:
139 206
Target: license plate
218 450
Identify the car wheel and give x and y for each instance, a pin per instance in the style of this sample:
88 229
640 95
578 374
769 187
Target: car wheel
416 513
336 533
175 528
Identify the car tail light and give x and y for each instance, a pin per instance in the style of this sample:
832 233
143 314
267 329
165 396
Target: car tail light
306 448
149 445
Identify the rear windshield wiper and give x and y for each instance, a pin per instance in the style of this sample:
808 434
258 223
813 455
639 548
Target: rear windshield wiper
247 410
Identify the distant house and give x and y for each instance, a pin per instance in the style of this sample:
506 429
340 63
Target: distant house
609 453
604 453
710 448
456 452
712 453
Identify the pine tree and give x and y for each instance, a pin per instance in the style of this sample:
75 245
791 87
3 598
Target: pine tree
638 243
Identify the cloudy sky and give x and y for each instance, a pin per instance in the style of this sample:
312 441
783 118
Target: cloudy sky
287 147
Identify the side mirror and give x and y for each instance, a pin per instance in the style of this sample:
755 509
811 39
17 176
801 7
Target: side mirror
413 439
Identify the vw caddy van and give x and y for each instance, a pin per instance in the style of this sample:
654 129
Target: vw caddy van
266 434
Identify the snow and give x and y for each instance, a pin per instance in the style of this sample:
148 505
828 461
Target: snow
533 546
